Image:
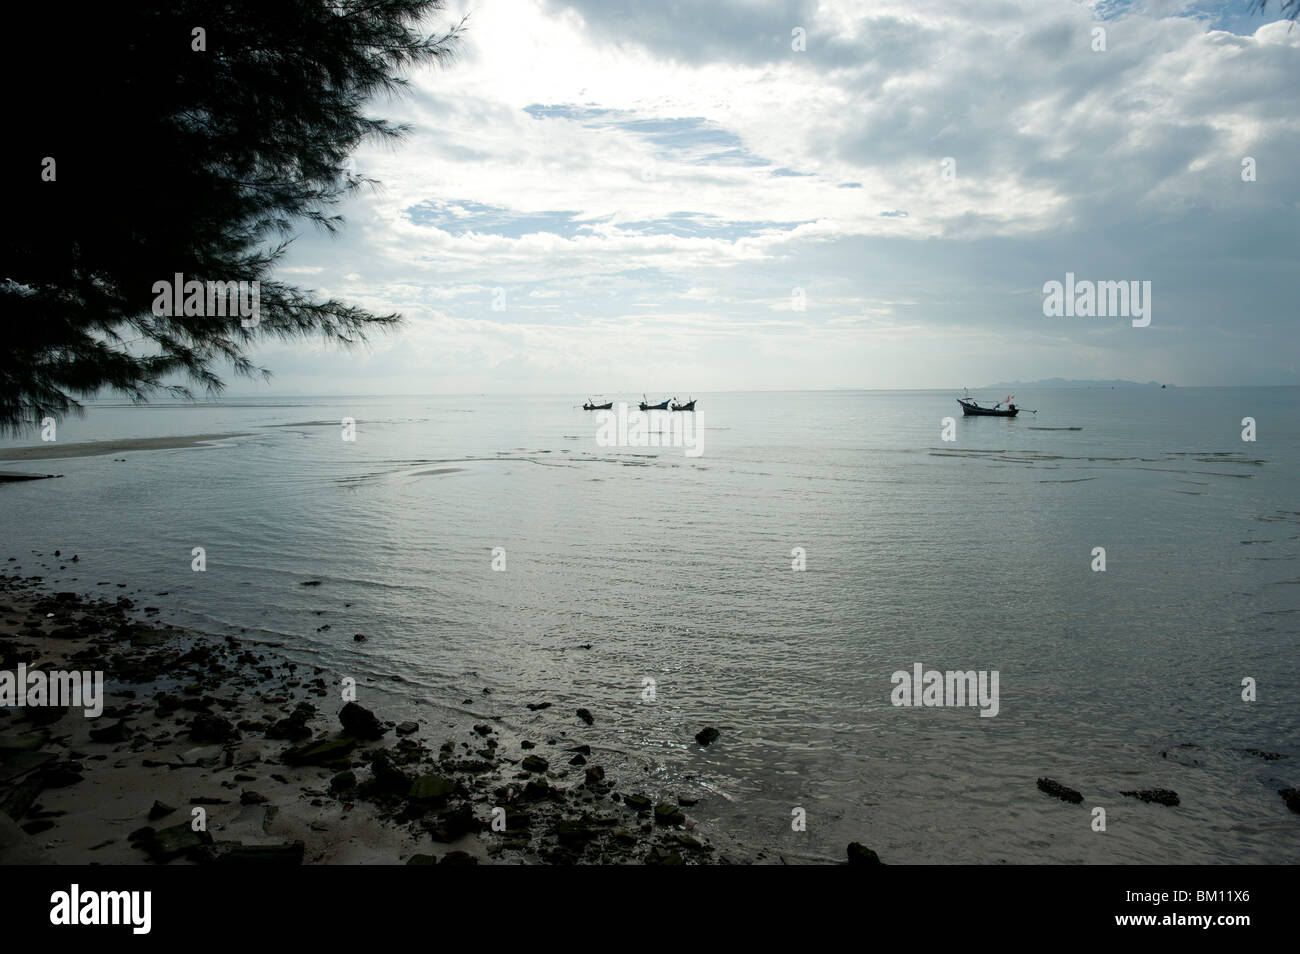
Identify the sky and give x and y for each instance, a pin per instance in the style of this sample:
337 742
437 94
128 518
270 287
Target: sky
608 196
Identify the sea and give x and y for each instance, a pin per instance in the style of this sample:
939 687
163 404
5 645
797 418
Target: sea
1124 562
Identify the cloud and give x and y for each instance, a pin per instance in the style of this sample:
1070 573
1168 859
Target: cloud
661 176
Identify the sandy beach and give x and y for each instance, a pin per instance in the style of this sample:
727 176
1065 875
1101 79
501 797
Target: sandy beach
52 450
277 768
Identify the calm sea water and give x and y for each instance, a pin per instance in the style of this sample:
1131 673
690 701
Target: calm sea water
970 554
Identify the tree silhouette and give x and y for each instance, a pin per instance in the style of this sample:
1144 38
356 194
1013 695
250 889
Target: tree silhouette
1288 8
150 139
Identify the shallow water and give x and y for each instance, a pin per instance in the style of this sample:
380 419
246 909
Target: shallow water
973 554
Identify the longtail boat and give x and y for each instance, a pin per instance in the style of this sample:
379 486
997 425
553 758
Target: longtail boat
970 409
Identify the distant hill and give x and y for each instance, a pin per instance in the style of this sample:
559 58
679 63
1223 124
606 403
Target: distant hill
1062 383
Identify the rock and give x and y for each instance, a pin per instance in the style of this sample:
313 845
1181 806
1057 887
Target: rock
537 789
666 814
387 775
172 842
483 729
360 722
638 803
111 733
595 775
1060 791
159 810
459 858
574 831
430 788
319 753
232 853
62 775
534 763
408 728
453 824
663 856
535 706
707 735
36 827
344 781
249 797
860 854
578 759
1161 796
422 860
525 744
585 716
1292 798
1266 756
212 728
359 638
294 728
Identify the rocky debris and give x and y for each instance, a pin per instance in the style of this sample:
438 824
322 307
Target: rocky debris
431 788
219 692
388 777
232 853
169 843
63 774
1292 798
1266 756
1055 788
323 752
860 854
1161 796
534 763
453 824
638 803
110 734
212 728
361 722
295 726
658 855
707 736
668 814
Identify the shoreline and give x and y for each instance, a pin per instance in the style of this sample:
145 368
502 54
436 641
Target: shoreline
280 767
55 451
